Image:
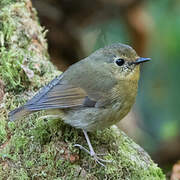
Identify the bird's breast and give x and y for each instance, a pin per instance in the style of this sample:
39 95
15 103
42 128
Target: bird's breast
93 118
123 97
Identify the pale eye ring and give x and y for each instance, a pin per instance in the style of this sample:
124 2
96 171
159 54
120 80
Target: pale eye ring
119 61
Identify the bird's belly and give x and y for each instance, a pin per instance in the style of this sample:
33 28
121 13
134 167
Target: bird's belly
95 118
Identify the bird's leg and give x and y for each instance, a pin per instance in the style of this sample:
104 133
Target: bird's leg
91 152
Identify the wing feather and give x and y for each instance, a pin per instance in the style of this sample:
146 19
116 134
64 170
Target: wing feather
57 94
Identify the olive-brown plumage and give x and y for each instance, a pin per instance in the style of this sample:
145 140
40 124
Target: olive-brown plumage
93 93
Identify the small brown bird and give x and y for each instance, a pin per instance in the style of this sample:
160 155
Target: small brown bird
93 93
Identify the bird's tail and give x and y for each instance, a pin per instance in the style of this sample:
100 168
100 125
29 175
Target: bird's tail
18 113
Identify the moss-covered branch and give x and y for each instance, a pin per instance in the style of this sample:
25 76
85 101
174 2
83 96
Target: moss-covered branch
38 147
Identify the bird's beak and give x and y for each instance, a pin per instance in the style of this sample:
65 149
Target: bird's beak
141 60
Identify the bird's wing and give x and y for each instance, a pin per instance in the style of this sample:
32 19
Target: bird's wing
58 94
83 84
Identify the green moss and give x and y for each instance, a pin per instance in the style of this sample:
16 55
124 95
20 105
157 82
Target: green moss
6 2
21 64
3 133
10 68
44 149
38 147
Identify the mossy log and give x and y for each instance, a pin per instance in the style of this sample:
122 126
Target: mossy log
39 147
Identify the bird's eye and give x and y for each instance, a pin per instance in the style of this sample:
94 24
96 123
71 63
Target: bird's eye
119 62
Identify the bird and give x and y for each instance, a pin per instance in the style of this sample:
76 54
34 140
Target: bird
92 94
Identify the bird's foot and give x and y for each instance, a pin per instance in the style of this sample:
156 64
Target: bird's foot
94 155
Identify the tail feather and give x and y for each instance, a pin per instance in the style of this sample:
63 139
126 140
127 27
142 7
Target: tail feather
18 113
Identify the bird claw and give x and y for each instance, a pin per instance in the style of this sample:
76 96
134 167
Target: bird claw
98 160
83 148
94 155
103 160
